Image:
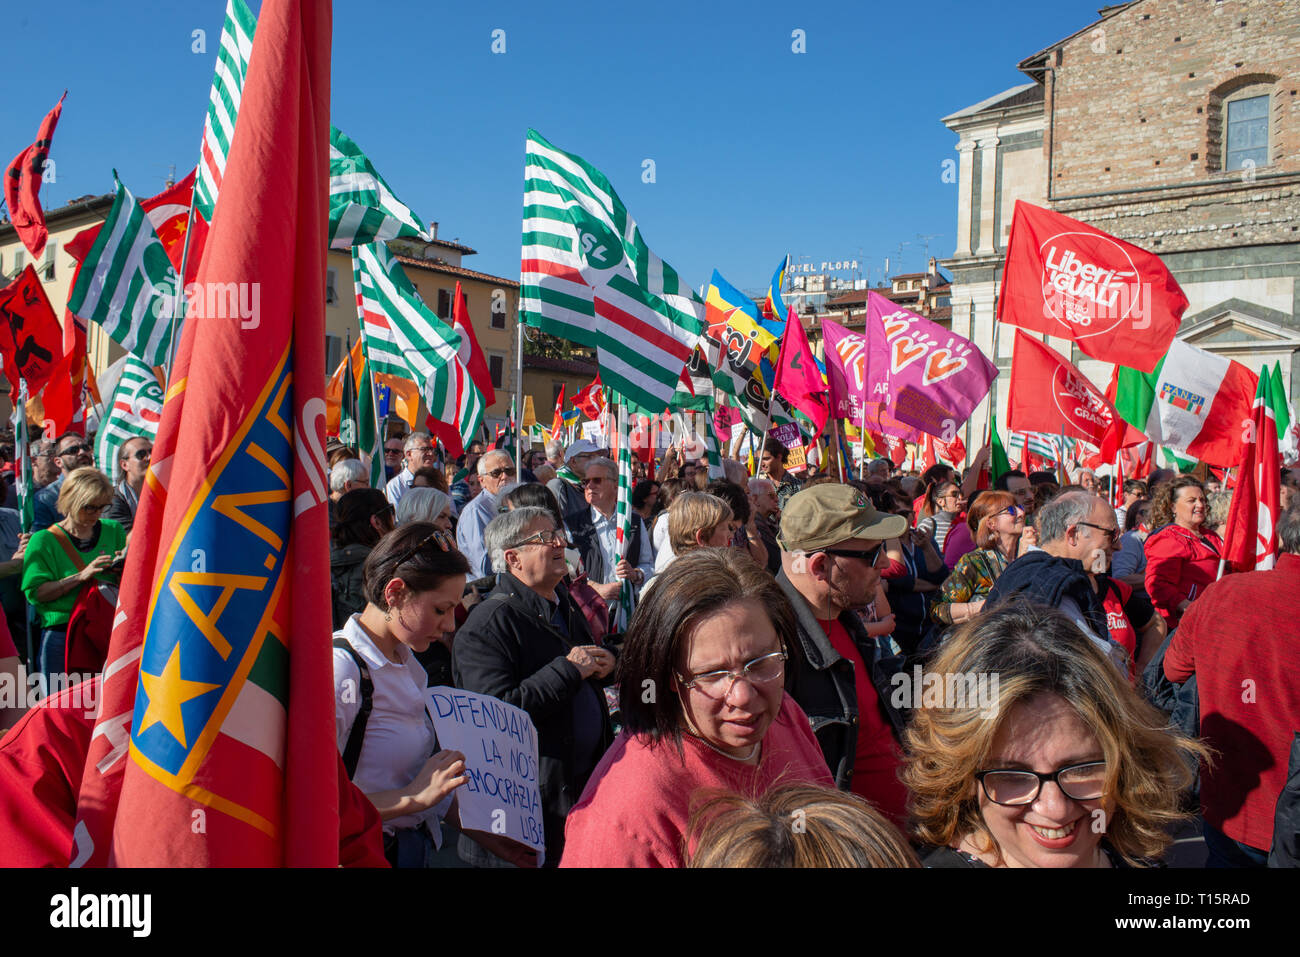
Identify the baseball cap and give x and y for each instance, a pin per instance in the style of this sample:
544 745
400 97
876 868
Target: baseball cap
820 516
580 447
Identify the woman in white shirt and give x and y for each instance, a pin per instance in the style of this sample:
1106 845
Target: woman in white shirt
414 578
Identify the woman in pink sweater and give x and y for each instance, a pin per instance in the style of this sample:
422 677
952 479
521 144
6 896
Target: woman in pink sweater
704 709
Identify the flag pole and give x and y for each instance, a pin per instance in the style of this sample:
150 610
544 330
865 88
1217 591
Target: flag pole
519 383
1060 458
178 307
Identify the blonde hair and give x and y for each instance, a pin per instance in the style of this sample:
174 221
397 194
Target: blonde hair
794 825
82 487
1036 650
693 512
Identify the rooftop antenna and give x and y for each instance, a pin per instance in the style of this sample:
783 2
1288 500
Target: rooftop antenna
925 241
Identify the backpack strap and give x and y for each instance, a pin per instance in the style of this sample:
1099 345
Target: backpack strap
62 538
352 751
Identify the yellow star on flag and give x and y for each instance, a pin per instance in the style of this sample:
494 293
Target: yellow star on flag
167 692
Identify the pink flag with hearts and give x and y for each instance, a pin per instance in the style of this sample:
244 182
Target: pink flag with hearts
929 378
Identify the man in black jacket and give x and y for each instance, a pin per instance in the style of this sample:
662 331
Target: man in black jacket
592 528
132 465
831 539
527 643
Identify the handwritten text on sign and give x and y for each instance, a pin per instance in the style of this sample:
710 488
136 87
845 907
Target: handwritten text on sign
500 747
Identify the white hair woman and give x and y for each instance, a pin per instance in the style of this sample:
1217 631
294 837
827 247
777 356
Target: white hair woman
425 505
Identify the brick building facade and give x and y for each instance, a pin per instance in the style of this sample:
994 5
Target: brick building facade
1173 124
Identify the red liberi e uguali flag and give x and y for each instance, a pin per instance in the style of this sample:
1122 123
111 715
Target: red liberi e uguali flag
1070 280
1250 536
215 741
1048 394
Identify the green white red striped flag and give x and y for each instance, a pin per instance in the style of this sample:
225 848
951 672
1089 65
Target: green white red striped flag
24 484
405 338
126 282
362 207
587 275
133 410
623 508
223 103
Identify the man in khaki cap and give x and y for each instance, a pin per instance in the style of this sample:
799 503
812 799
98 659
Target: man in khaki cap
832 539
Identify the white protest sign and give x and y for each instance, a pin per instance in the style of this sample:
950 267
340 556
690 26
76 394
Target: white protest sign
500 747
593 433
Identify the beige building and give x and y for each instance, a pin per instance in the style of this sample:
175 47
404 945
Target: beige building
1173 125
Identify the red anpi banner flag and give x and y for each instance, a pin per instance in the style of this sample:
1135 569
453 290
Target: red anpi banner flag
1068 279
1048 394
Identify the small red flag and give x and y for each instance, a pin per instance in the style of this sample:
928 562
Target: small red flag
798 379
22 185
471 356
1068 279
591 400
30 337
557 420
1050 395
1250 536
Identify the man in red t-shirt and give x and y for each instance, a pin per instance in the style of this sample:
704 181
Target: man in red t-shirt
832 540
1239 639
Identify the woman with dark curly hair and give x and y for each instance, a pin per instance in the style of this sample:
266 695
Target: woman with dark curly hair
1182 553
1039 753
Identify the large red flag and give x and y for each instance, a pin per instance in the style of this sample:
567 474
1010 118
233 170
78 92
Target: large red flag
22 185
591 400
1250 537
1068 279
1048 394
30 338
798 379
471 356
215 743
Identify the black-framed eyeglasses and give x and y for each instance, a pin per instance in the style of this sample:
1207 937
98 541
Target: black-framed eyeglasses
718 684
95 508
870 557
595 480
439 538
1110 533
392 451
74 450
552 538
1013 788
499 472
420 448
142 455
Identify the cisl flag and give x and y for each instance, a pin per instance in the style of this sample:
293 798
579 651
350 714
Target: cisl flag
1068 279
1250 539
1050 395
1194 402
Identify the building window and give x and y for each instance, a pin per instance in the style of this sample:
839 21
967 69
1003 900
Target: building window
47 264
1246 139
444 303
331 287
496 370
333 352
498 312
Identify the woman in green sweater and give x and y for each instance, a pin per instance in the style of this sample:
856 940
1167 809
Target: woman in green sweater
60 559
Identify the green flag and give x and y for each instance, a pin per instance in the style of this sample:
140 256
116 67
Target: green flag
362 207
24 486
348 432
999 464
370 436
1286 440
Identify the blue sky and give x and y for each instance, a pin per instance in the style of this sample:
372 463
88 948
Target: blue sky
834 153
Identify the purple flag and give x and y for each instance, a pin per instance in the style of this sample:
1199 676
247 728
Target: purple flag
929 378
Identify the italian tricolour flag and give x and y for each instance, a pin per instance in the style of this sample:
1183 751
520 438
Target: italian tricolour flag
1194 402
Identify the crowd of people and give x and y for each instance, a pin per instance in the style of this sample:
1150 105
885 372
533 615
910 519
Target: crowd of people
896 670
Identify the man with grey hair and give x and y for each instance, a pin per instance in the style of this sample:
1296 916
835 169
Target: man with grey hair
878 471
528 644
1069 571
496 470
593 529
45 463
762 503
555 454
1240 641
419 452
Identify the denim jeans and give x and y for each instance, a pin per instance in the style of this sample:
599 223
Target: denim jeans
1226 852
54 642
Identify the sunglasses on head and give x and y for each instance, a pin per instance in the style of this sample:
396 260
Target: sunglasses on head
441 539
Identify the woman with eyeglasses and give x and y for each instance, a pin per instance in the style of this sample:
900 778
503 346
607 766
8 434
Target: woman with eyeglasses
362 517
1182 553
413 581
942 504
61 559
996 523
527 643
704 706
1048 758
